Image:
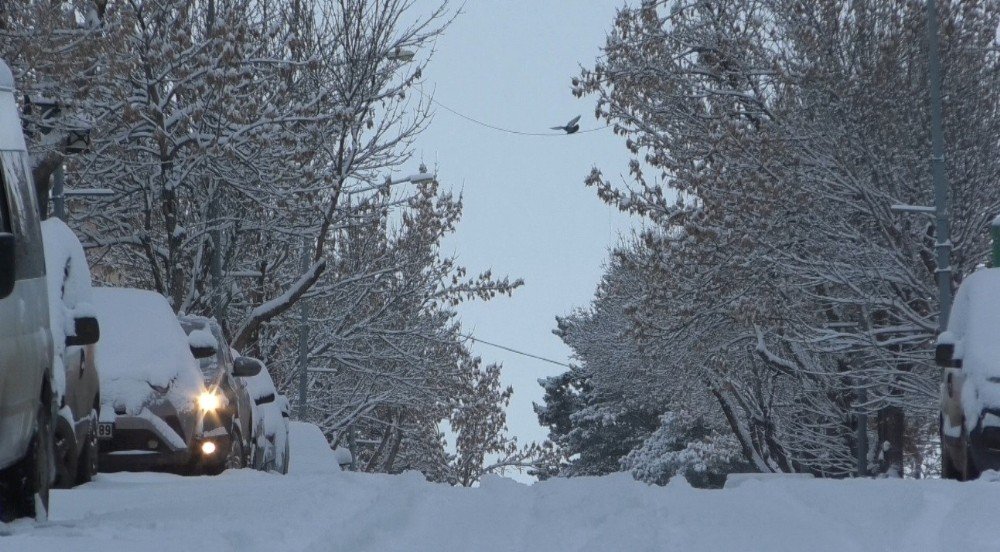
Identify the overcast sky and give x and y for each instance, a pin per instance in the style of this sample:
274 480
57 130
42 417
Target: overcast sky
527 212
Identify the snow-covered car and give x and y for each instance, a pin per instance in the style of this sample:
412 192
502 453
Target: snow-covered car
153 396
75 331
27 398
227 408
969 353
270 431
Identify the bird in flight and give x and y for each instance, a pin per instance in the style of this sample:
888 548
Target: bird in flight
571 126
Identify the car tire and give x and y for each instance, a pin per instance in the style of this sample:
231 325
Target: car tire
970 473
236 459
26 484
66 458
87 466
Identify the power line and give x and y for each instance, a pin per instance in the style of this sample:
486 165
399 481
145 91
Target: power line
522 353
501 129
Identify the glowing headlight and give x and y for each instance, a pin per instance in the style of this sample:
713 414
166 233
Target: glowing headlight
208 401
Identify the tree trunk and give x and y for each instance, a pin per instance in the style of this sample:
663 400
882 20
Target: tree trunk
891 428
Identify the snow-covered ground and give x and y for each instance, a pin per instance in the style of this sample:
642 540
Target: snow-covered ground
317 508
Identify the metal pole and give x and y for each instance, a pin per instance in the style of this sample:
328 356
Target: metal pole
58 197
862 432
304 338
942 232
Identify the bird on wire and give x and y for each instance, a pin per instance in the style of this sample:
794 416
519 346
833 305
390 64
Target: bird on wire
570 127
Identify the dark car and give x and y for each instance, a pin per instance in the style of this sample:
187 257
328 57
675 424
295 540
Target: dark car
152 391
228 407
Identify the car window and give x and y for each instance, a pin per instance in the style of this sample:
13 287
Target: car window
22 210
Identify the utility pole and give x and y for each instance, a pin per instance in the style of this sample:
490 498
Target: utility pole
942 247
304 338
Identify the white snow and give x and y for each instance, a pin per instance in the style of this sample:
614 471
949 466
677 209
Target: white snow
318 508
202 338
142 345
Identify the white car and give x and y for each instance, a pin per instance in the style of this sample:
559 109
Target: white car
270 433
27 395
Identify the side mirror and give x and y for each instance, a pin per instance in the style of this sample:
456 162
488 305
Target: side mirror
6 264
943 354
245 367
88 331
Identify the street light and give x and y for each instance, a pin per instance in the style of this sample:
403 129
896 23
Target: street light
942 230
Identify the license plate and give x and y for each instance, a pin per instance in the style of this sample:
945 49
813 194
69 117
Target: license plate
105 430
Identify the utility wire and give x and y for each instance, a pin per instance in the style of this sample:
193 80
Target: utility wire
505 348
501 129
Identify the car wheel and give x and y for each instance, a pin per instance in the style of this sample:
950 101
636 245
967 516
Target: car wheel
236 459
26 484
948 468
970 472
284 459
65 458
88 456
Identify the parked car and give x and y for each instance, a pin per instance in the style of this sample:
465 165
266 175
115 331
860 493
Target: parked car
969 352
27 400
270 431
153 398
228 409
74 333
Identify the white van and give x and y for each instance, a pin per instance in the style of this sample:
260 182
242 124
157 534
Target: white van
27 407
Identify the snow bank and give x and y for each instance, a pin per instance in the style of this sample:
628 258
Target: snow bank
310 452
323 509
142 348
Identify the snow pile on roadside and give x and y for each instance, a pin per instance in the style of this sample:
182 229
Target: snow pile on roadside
319 510
310 453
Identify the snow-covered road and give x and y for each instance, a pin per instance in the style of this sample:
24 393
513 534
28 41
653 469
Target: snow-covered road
318 508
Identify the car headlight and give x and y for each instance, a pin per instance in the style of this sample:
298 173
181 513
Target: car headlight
208 401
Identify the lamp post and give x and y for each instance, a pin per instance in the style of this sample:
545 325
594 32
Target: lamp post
942 230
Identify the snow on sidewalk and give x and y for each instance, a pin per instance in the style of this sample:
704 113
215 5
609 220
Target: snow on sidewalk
318 508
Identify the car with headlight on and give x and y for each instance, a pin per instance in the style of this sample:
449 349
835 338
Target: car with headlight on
153 396
270 432
227 408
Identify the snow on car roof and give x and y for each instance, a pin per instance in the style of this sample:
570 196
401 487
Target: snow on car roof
69 289
975 321
142 346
